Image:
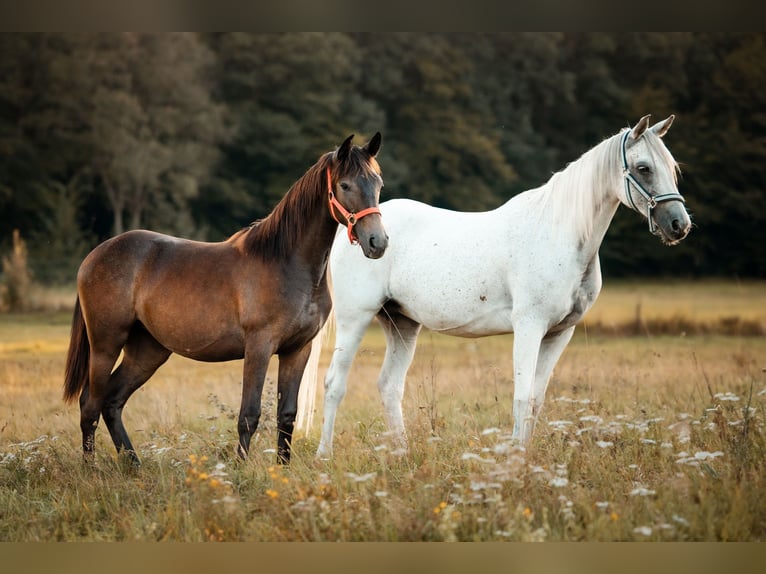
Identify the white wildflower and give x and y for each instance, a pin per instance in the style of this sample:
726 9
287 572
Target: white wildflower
642 491
476 457
705 455
484 485
361 478
592 419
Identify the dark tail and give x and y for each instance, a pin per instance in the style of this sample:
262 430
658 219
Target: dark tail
78 357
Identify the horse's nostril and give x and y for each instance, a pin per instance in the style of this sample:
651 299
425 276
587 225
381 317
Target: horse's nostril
372 242
676 225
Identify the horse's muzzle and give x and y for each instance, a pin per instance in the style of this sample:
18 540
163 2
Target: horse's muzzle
374 245
672 222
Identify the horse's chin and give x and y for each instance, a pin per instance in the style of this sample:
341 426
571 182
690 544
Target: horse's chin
668 239
373 253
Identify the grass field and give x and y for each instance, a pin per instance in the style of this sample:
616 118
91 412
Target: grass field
653 429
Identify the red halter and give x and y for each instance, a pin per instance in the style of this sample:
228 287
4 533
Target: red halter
351 218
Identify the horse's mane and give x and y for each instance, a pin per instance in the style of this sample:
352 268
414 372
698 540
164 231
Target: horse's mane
572 193
275 236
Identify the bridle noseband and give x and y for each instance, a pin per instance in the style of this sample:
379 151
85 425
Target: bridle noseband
351 218
651 200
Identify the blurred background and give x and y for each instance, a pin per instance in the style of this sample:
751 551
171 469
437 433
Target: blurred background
197 135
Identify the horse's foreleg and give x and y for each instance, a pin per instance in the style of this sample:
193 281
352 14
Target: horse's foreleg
349 335
401 340
291 367
254 374
526 347
551 348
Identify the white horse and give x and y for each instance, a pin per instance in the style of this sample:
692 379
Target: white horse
530 267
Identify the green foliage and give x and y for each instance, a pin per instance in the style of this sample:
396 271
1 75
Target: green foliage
198 135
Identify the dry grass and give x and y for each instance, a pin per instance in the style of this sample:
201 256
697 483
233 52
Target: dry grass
641 438
669 307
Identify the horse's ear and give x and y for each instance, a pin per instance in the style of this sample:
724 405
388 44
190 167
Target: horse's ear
373 146
640 127
345 148
661 128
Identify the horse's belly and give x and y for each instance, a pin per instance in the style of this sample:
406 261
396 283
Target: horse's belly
193 330
464 314
210 345
495 323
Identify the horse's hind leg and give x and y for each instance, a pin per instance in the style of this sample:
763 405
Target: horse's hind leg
143 355
401 339
92 398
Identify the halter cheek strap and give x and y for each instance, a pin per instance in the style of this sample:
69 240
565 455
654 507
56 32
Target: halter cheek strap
651 200
351 218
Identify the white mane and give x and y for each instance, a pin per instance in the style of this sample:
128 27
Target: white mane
574 195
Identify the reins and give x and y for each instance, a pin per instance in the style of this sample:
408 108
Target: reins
351 218
651 200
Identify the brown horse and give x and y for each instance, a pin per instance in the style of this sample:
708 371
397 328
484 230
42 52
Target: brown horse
261 292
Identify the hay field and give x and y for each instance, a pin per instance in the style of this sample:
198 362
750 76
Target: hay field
655 433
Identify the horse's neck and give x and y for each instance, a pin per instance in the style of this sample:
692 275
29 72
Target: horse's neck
581 200
298 232
313 248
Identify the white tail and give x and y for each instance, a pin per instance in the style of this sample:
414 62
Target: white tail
307 393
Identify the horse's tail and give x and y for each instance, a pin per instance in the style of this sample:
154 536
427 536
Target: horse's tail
78 357
308 390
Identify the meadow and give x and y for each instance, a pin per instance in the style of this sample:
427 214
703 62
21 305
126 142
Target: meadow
652 430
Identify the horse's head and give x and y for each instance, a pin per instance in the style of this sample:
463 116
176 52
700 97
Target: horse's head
353 185
650 180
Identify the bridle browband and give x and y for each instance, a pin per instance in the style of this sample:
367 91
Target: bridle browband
651 200
351 218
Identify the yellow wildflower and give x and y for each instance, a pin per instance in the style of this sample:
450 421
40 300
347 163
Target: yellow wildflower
442 506
272 493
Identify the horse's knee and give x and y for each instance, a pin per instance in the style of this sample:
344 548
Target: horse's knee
334 393
248 424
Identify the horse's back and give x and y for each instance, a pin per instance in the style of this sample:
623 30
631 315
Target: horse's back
443 269
182 291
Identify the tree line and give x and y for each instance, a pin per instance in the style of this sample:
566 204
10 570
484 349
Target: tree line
199 134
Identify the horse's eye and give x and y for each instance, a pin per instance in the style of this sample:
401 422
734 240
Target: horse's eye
344 186
643 168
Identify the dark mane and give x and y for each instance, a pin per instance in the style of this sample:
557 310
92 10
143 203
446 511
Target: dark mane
274 237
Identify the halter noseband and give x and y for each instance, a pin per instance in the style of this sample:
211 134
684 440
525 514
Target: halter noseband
651 200
351 218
